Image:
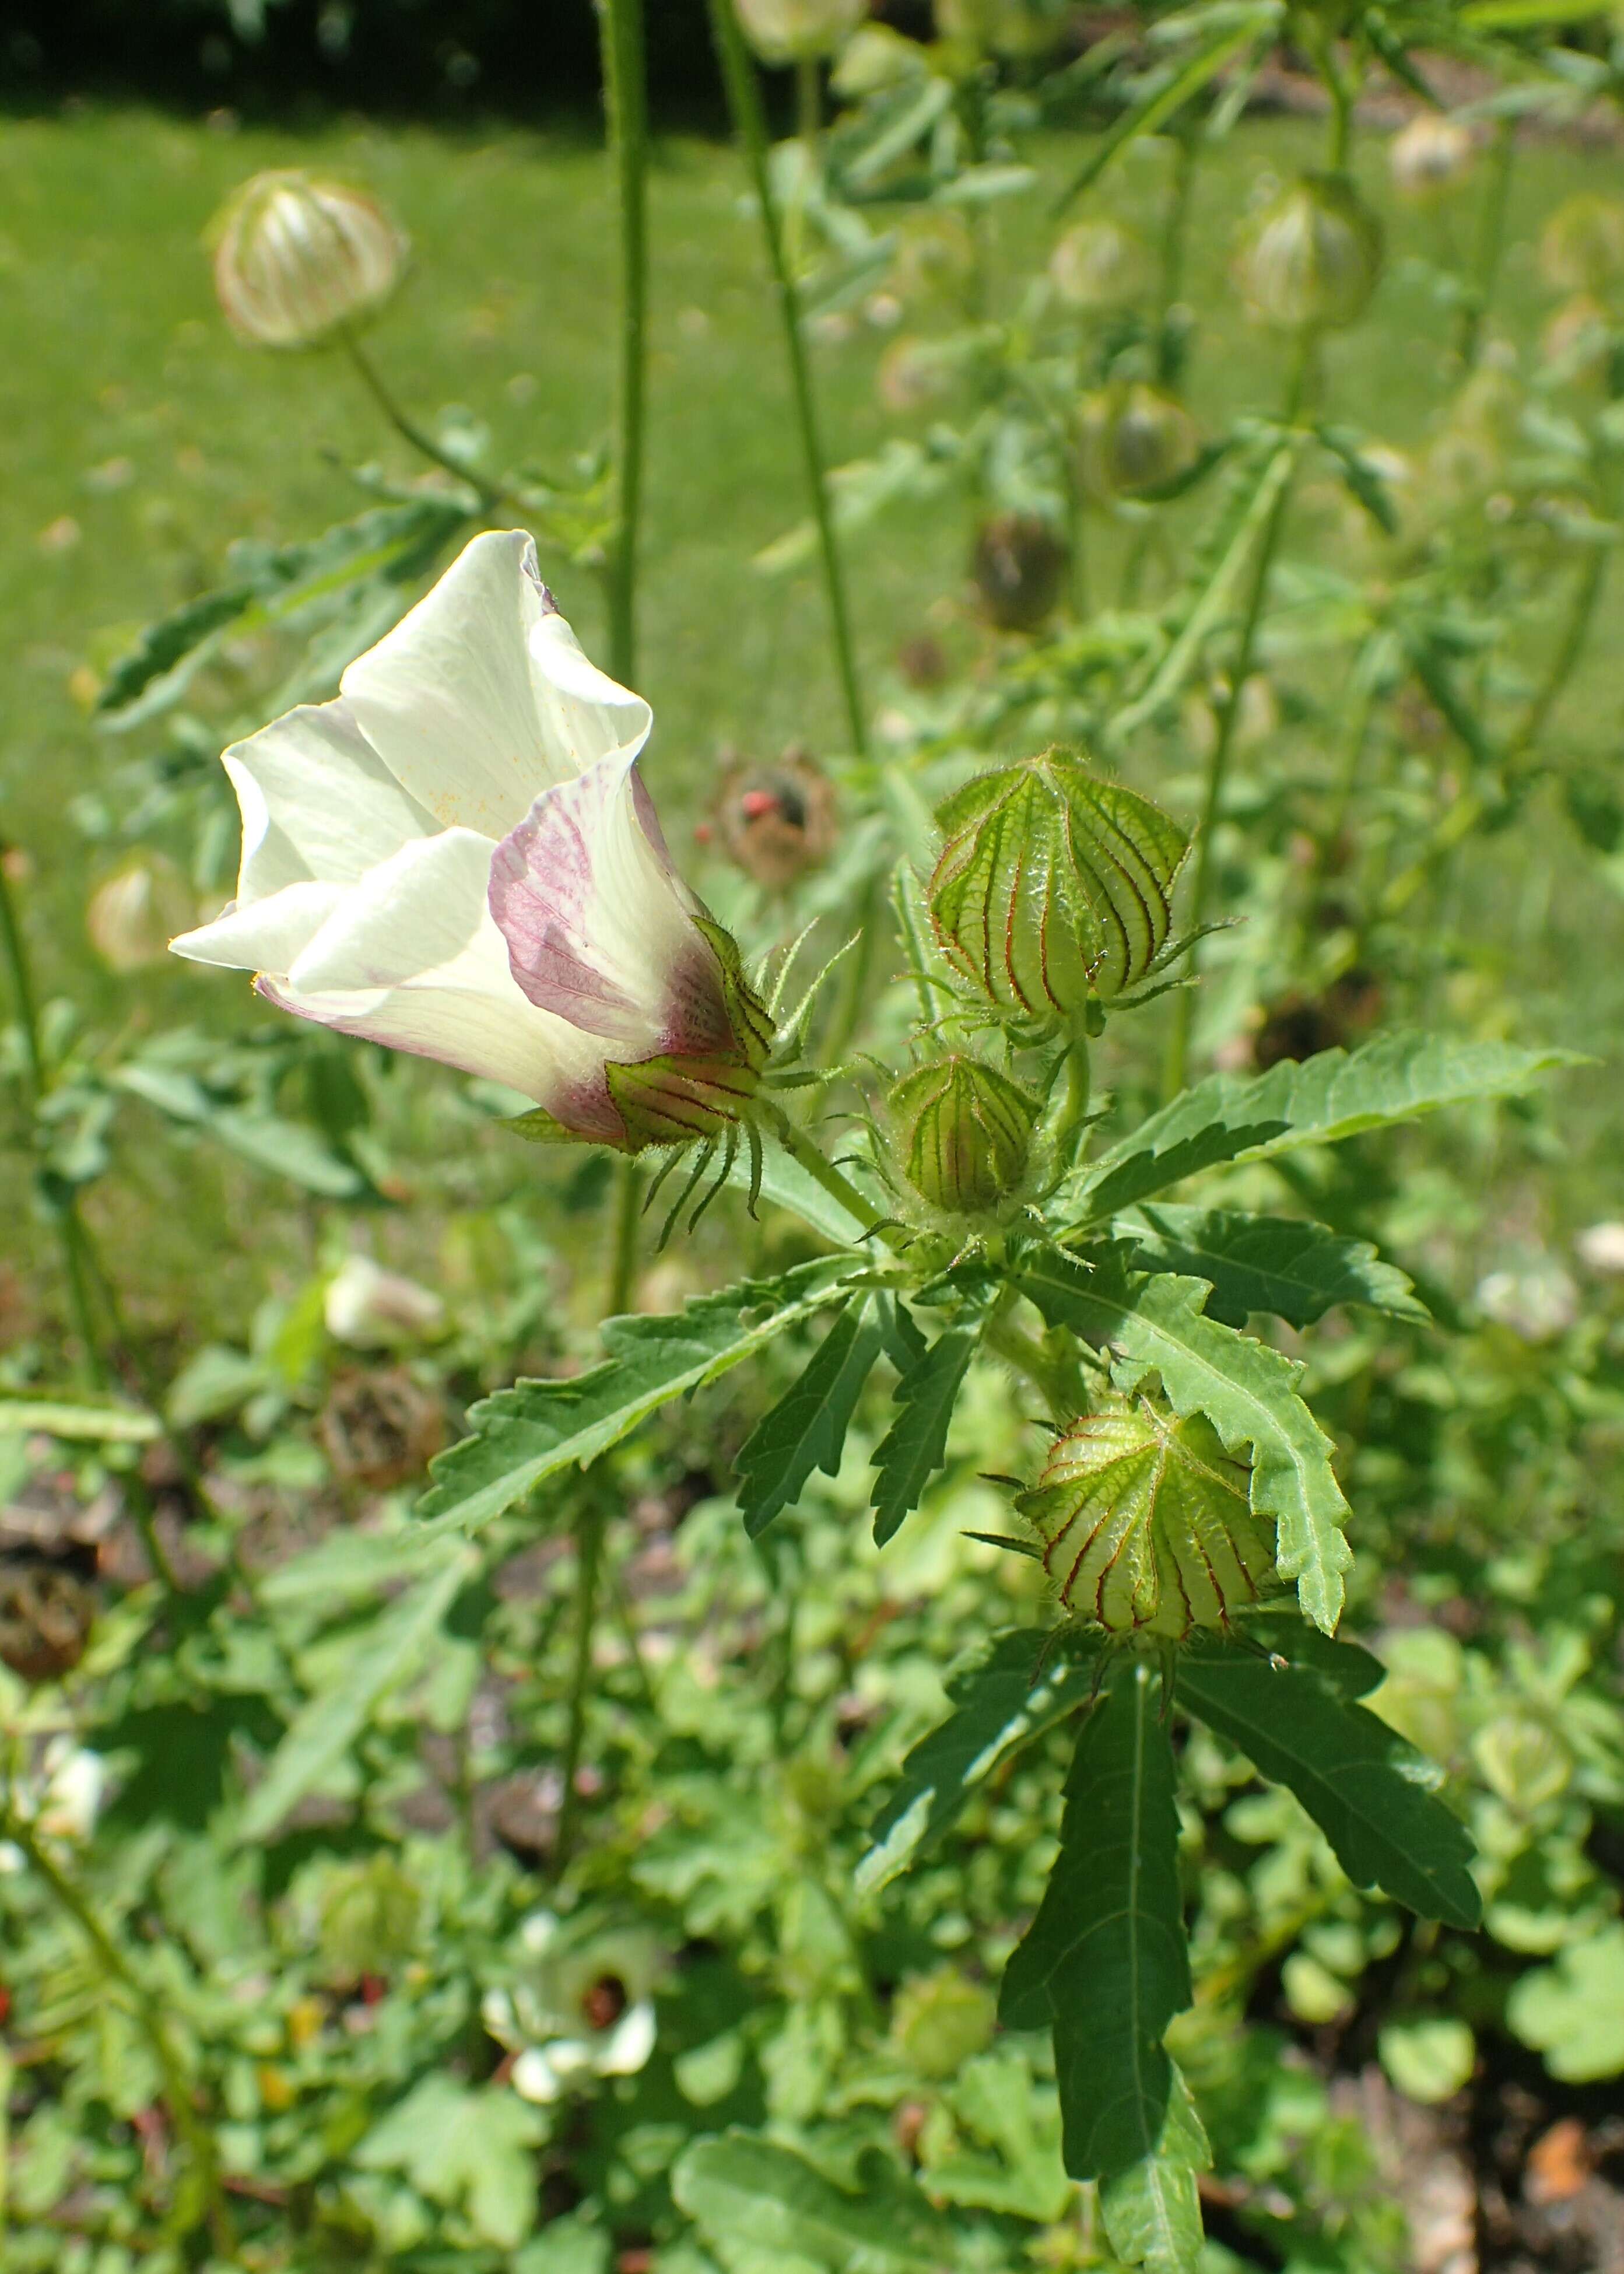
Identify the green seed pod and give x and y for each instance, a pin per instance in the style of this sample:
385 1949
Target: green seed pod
1146 1524
1020 564
1054 890
1311 258
964 1134
1099 265
1582 246
1133 440
788 31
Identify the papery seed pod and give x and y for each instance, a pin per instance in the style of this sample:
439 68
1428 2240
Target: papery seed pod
297 258
1020 564
1011 29
133 915
1311 259
1582 246
777 822
1054 889
46 1613
1098 264
964 1134
1431 155
1146 1523
790 31
380 1428
1133 440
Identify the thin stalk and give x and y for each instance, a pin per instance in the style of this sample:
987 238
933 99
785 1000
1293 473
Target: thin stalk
1587 594
1177 1060
22 982
192 2130
1491 245
623 1242
800 1149
809 110
744 103
1176 227
490 493
1364 686
590 1530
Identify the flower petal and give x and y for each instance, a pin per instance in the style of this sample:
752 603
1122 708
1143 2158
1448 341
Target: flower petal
267 934
317 801
599 927
481 697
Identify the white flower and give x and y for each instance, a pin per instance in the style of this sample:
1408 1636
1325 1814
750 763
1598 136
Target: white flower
458 857
370 1309
1431 154
1538 1303
545 2072
62 1800
1601 1247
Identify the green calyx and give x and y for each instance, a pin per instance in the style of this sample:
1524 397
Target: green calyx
964 1134
1146 1524
1055 889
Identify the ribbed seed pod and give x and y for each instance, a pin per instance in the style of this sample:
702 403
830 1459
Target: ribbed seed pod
1053 887
965 1134
1133 441
1146 1524
1098 264
295 258
1311 259
1020 564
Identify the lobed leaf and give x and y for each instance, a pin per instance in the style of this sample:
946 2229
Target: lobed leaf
1152 2211
1246 1390
1023 1684
806 1429
915 1445
1371 1794
533 1430
764 2209
1318 1100
1291 1267
1105 1959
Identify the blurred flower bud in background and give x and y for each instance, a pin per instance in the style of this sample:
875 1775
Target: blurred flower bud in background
793 31
1431 155
1012 28
1311 260
370 1308
1020 564
935 261
133 915
1099 265
1133 440
873 59
941 2020
297 258
913 374
1582 246
1600 1247
1538 1301
963 1134
777 821
380 1428
1575 346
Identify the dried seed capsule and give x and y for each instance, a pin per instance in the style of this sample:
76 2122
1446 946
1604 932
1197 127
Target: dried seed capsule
1054 889
1133 440
380 1428
45 1618
297 260
1019 565
1146 1523
1311 258
964 1134
777 822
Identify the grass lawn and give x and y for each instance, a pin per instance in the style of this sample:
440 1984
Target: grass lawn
137 438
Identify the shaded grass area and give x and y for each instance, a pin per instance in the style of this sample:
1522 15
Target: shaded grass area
137 438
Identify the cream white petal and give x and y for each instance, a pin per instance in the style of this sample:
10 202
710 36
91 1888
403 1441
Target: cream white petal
317 803
265 936
630 2042
481 697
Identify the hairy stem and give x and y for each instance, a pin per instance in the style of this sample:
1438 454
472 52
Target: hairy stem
744 103
589 1529
491 495
621 33
800 1149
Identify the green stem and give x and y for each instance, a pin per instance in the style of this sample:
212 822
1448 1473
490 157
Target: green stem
1176 1066
1564 662
809 110
22 982
744 103
192 2130
1175 234
800 1149
1055 1380
590 1530
1364 688
490 493
620 33
1491 245
623 1250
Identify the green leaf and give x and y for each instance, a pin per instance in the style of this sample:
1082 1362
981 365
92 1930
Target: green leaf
76 1423
325 1726
287 1148
1318 1100
531 1431
764 2209
1371 1794
1295 1270
1167 97
915 1445
1153 2211
1363 478
472 2148
1246 1390
806 1429
1022 1682
1573 2011
1106 1959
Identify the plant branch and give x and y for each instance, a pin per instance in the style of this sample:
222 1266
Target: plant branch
491 495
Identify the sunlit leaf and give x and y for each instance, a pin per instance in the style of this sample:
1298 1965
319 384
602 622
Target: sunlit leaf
806 1429
915 1446
763 2209
1298 1270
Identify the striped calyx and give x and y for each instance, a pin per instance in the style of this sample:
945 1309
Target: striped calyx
1146 1523
964 1133
1053 887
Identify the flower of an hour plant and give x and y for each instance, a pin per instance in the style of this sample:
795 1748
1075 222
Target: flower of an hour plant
583 2008
296 259
370 1308
457 857
60 1800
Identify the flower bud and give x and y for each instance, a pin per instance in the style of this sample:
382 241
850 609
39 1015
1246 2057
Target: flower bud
792 30
1146 1522
297 258
133 915
369 1919
1019 565
1054 890
777 822
1099 265
1431 155
1133 441
1311 258
964 1134
1582 246
370 1308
